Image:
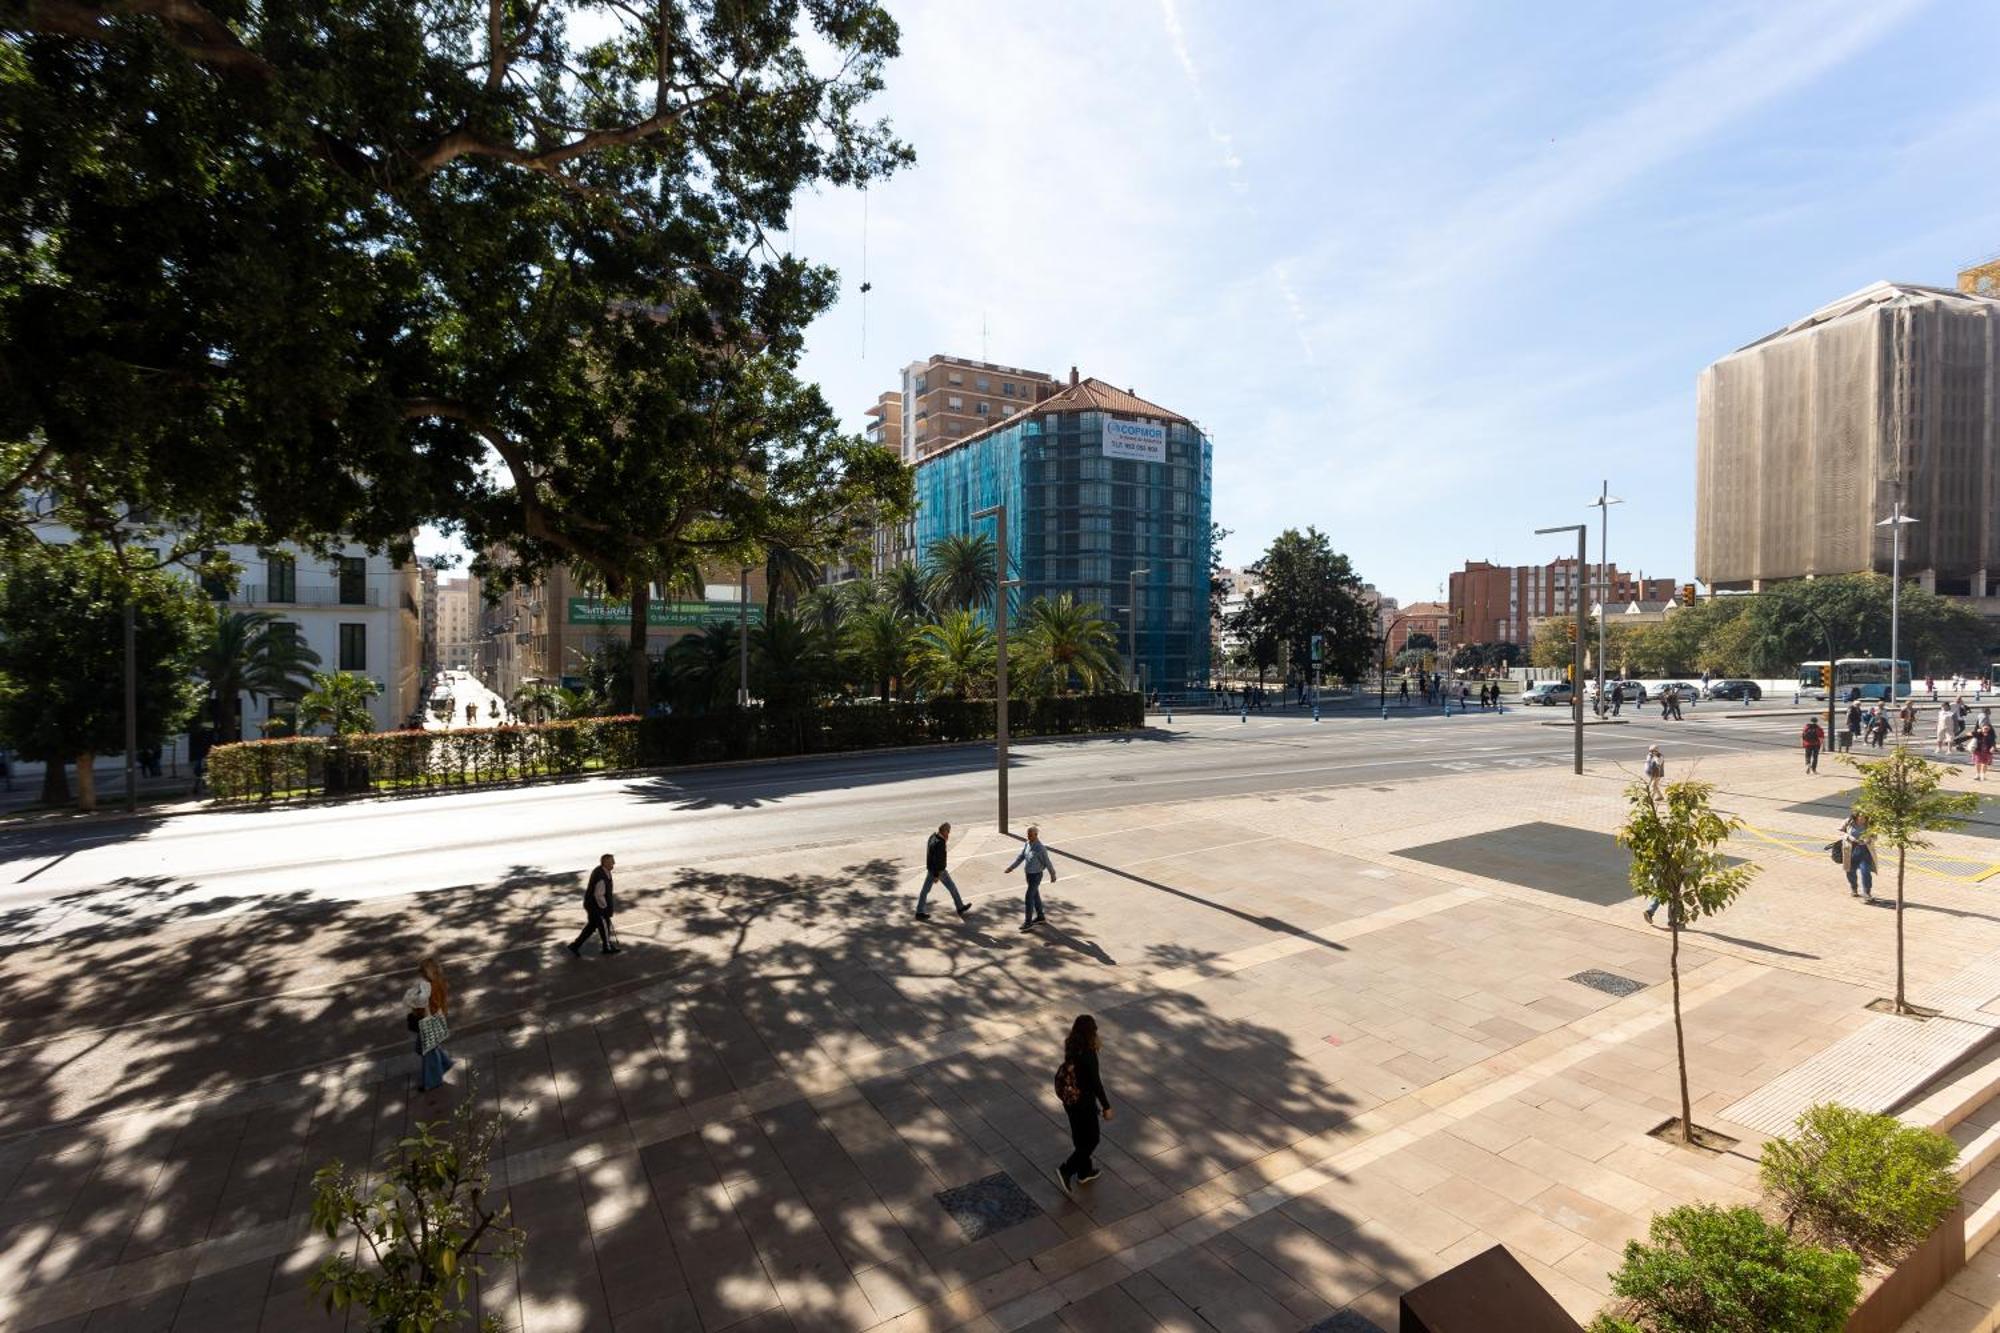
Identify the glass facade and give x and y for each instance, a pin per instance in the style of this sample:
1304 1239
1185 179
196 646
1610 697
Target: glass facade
1079 521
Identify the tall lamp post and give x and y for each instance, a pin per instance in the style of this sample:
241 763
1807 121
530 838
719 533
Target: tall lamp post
998 513
1896 522
743 637
1383 678
1132 620
1605 499
1582 531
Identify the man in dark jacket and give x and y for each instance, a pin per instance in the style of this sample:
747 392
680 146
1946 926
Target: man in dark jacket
598 906
934 873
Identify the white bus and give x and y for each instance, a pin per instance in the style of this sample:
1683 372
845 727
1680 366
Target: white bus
1863 677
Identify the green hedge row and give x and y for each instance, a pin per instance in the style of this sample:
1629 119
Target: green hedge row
401 761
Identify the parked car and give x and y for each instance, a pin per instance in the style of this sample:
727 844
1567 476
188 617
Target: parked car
1548 692
1734 689
1631 691
1680 689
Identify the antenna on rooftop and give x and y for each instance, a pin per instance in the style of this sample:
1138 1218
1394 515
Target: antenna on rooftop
984 355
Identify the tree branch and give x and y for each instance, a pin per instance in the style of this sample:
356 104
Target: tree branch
196 32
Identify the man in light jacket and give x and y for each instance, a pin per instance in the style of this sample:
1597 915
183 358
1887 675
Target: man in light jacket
1035 857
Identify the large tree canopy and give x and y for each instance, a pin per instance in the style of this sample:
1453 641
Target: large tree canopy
320 261
1309 588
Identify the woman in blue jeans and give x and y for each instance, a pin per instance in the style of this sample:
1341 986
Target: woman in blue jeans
429 998
1035 857
1857 856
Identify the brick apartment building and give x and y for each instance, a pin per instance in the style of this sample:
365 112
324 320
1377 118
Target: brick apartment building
1432 618
947 398
1502 603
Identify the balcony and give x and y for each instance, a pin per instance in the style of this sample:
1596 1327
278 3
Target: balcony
304 594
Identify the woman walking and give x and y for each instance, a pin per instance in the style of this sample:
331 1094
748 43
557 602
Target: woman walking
1982 750
1081 1091
1942 744
429 999
1857 857
1035 858
1656 771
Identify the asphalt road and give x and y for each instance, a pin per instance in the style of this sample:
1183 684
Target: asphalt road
397 846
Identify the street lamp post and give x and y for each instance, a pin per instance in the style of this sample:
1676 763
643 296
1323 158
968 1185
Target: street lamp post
1582 531
1132 620
743 637
1896 522
1605 499
998 513
1382 678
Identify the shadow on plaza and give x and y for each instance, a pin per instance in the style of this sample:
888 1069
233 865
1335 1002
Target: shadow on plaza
767 971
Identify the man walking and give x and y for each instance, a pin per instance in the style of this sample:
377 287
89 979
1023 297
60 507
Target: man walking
1813 737
935 872
598 908
1034 858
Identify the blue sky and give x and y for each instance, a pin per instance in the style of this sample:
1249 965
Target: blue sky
1425 272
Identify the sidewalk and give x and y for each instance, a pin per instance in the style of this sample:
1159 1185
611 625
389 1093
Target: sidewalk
1338 1069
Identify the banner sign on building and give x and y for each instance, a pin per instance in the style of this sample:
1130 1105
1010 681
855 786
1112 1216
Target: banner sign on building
1140 441
660 615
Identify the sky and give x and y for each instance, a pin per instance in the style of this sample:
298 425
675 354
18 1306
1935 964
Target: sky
1426 273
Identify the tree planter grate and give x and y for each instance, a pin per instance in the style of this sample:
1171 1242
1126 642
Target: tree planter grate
988 1206
1608 982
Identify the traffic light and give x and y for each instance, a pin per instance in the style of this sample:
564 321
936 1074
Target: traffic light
1687 594
1569 672
1826 677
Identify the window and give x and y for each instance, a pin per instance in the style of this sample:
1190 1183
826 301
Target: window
985 409
281 579
1006 389
954 378
983 384
353 647
283 631
955 403
352 572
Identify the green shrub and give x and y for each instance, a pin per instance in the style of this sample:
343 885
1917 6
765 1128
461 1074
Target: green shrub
1727 1270
1866 1182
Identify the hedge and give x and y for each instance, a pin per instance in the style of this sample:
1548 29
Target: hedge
414 761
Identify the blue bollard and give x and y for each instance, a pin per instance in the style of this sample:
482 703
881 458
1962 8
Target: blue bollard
1315 710
1244 716
1795 698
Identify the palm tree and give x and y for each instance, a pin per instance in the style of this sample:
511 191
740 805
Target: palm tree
1064 642
702 668
539 701
826 609
956 655
962 572
905 592
787 568
245 653
340 700
789 664
881 641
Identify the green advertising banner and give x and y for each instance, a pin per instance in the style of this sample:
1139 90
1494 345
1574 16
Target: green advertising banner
660 615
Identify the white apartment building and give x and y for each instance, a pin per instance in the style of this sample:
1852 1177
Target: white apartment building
458 624
359 610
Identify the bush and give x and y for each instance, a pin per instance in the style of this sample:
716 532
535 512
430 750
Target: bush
1866 1182
1727 1270
426 760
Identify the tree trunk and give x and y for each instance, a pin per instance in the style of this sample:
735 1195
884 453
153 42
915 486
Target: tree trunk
1680 1039
86 782
1902 1005
55 783
640 666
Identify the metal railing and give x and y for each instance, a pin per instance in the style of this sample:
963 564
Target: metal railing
304 594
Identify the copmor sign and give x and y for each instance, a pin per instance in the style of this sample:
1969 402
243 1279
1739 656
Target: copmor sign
660 615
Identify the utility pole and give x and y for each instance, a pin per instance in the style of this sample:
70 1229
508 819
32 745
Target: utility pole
743 637
131 707
1603 504
1896 521
1582 531
998 513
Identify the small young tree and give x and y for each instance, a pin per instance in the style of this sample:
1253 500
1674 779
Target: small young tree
1900 797
1676 864
1727 1270
340 700
1868 1183
424 1225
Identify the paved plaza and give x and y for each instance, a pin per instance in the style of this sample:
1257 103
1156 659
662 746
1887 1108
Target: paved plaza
1338 1069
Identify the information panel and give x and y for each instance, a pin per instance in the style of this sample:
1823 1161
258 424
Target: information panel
1140 441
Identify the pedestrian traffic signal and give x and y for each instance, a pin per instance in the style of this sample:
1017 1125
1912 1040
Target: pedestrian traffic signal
1826 677
1687 594
1569 673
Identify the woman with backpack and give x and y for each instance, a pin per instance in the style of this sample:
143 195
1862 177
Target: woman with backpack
1081 1092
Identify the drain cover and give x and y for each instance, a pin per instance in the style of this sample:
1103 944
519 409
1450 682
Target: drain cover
1608 982
989 1205
1345 1322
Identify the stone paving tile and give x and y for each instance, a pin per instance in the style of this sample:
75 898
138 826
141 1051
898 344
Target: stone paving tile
1474 1093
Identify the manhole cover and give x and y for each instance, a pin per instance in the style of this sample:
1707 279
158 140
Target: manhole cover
989 1205
1345 1322
1320 799
1608 982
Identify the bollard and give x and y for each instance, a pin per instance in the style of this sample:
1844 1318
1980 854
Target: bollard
1795 698
1244 716
1385 712
1315 710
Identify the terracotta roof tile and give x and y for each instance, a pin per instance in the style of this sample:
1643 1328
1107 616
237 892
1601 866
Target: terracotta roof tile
1088 395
